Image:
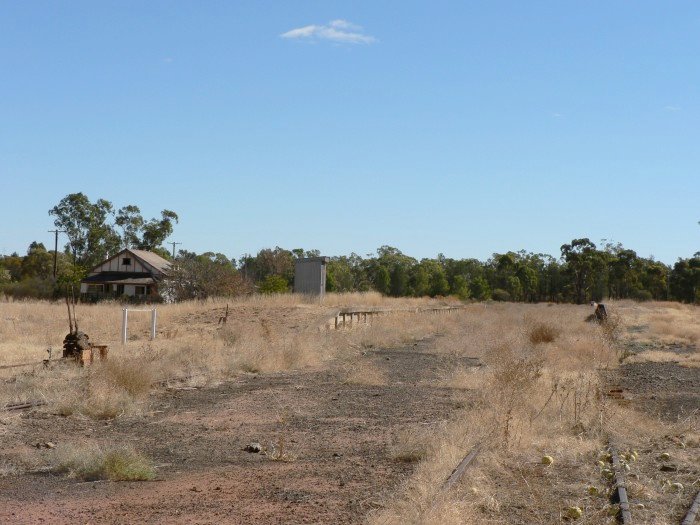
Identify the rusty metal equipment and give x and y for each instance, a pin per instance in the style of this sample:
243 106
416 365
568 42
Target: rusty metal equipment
76 344
601 314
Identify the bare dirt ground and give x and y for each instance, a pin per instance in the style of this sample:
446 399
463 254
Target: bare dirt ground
331 422
336 436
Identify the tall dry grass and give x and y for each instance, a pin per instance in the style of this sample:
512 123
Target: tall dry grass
263 334
539 393
661 322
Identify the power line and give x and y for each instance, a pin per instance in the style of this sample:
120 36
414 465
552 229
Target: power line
174 243
55 250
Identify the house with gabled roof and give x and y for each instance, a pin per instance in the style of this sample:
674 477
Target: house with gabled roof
131 273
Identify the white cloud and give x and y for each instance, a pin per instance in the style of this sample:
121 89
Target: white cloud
672 108
340 31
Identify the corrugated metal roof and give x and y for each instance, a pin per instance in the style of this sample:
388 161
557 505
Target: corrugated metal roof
153 259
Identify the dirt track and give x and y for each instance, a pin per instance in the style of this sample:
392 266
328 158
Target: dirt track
668 391
340 434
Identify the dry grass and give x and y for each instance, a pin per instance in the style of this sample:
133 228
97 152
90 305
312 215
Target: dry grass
538 393
263 334
90 462
542 333
690 360
661 322
411 445
365 374
537 398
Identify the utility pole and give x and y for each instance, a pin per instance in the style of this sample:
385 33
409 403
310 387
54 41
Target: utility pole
174 243
55 250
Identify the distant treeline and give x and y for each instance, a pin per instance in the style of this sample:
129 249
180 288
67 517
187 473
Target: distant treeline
582 273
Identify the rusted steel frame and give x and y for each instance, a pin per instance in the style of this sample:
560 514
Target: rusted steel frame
621 488
458 472
692 511
24 404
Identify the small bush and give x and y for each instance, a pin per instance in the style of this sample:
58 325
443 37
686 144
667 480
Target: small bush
135 376
274 284
91 463
500 295
642 295
410 446
542 333
127 465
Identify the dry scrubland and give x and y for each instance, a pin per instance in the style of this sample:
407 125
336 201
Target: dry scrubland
263 334
539 391
541 394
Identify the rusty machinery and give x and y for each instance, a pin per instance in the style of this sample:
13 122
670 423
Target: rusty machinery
76 344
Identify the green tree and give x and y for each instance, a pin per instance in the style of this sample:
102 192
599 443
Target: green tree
460 287
90 236
200 276
339 275
156 231
131 222
382 280
420 281
399 280
438 281
274 284
583 262
685 280
38 262
92 228
480 289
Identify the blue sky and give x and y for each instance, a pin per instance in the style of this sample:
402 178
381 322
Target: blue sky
465 128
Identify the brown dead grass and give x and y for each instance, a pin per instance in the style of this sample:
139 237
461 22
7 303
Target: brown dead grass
691 360
263 334
662 322
365 374
542 333
533 398
412 445
536 395
91 462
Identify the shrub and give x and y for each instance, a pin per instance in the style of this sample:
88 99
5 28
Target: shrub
33 287
542 333
641 295
500 295
91 463
274 284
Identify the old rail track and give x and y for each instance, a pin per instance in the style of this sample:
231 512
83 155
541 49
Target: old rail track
620 487
693 511
458 472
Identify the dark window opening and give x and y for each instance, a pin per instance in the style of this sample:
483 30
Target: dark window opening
126 261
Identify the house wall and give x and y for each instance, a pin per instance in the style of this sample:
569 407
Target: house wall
115 265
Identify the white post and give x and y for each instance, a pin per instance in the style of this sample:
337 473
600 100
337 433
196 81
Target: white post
125 321
154 316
